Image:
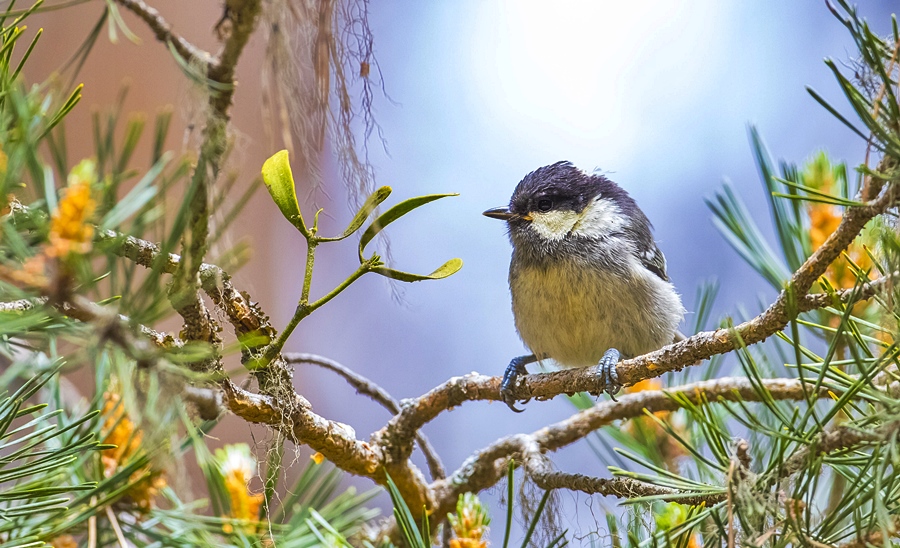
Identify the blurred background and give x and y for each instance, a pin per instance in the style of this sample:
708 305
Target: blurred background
656 94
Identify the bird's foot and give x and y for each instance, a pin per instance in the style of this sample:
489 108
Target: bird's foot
515 368
608 374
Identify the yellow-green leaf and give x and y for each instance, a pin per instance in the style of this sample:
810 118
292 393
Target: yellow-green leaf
367 208
276 173
392 215
450 267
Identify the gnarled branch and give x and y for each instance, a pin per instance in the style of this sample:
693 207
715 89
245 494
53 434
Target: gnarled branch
376 393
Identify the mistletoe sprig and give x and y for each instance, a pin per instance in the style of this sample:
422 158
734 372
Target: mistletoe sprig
279 180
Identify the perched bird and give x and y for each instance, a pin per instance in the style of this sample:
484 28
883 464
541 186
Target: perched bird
588 282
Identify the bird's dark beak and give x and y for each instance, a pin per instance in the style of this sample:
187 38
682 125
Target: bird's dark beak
503 214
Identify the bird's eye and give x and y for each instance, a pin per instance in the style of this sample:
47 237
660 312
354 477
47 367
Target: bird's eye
545 205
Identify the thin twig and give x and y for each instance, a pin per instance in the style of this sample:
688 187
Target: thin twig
241 17
836 439
184 290
361 384
164 33
366 387
540 470
141 346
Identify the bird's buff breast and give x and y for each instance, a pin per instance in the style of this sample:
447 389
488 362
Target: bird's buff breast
573 314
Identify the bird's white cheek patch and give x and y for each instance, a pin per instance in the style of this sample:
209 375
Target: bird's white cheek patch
554 225
599 219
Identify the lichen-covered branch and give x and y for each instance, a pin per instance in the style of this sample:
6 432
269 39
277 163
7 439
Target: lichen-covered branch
138 340
390 448
540 470
21 305
240 17
335 440
149 255
242 312
236 26
339 444
836 439
486 467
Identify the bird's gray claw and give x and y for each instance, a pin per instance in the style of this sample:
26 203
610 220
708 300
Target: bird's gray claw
515 368
608 374
511 402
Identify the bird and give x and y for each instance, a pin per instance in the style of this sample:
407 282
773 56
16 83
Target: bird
587 279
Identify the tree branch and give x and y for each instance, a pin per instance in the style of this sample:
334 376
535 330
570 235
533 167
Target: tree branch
540 470
149 255
390 447
336 441
419 411
238 306
836 439
379 395
209 401
241 16
164 33
243 313
487 466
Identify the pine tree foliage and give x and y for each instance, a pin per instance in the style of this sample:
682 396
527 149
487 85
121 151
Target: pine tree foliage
94 468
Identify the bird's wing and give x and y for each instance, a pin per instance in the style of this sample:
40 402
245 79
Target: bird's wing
654 260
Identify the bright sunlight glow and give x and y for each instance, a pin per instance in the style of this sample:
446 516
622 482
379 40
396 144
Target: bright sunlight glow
555 72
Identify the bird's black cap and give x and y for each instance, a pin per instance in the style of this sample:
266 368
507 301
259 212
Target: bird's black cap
568 187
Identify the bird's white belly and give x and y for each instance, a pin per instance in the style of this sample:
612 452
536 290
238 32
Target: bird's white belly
573 314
